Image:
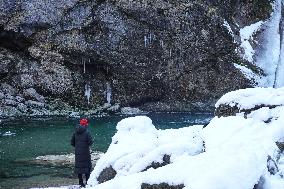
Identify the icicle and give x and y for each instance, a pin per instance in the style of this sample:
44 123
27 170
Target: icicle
170 52
145 41
84 65
154 37
162 43
150 38
88 92
108 93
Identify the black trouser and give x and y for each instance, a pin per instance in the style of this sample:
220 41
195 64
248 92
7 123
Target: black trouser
80 176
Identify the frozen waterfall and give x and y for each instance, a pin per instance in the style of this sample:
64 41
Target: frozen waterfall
279 73
270 58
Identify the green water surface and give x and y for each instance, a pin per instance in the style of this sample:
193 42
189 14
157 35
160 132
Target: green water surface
22 140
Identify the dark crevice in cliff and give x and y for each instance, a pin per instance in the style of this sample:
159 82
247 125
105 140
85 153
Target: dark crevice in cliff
14 41
144 100
99 2
3 76
162 26
88 66
96 68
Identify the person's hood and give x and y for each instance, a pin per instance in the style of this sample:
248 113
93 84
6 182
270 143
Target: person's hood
80 129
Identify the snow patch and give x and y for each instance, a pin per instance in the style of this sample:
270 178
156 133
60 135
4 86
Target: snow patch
226 24
246 34
248 73
228 27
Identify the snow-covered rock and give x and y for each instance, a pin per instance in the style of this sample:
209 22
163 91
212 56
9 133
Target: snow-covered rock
248 100
138 144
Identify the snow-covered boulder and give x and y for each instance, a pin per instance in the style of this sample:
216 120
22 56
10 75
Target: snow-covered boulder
236 151
138 146
248 100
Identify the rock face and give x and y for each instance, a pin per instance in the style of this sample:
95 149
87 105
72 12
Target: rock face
156 55
227 110
155 165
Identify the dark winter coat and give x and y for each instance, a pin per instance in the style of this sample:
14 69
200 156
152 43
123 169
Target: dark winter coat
82 140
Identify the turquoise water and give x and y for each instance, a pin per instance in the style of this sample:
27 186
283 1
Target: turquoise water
25 139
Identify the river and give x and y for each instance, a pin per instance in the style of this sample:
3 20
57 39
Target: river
22 140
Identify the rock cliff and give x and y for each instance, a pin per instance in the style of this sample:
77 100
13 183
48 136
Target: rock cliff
157 55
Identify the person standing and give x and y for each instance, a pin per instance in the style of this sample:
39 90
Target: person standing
82 140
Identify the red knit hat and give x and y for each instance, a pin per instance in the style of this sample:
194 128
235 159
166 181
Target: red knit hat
84 122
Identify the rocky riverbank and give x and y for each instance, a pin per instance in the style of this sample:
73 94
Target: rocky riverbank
30 103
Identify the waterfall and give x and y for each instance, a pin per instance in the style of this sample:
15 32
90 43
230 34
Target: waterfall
279 73
268 58
108 93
